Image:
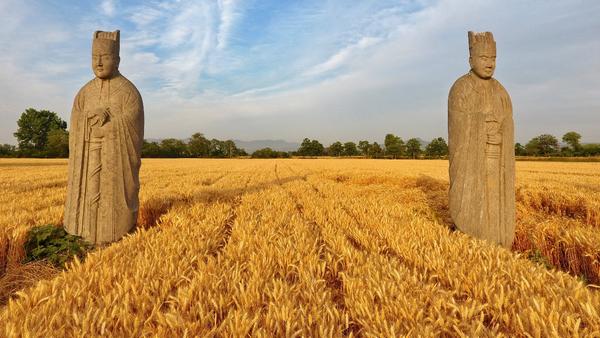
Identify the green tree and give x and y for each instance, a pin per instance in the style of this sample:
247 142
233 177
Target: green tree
394 146
150 149
437 148
58 143
520 150
376 150
317 148
217 148
199 146
269 153
413 148
542 145
310 148
171 147
305 147
33 128
7 150
336 149
365 148
572 139
590 149
350 149
230 149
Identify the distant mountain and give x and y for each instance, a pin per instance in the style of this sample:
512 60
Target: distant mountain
280 145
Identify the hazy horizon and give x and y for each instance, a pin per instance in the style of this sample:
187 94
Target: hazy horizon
326 70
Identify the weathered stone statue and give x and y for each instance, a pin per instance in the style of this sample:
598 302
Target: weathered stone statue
105 140
481 147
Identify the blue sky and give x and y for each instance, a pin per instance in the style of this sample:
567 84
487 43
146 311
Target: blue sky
331 70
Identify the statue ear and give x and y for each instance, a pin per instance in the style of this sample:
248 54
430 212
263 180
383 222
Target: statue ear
118 61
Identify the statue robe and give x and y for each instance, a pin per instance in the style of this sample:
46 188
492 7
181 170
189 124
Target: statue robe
482 175
103 173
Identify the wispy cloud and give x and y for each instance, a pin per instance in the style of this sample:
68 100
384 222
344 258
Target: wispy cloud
342 56
227 16
108 7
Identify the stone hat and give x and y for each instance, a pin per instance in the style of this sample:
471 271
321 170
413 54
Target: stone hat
107 41
479 42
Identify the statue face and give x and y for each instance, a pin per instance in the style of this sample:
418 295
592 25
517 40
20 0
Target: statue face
104 64
483 63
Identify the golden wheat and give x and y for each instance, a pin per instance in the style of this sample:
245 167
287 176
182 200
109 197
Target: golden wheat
310 248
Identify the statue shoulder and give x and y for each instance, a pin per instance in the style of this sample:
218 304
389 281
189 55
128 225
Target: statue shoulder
86 87
129 87
500 88
462 85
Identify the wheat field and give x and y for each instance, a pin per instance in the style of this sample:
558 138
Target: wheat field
298 247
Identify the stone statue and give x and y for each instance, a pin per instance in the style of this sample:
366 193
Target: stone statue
105 141
481 148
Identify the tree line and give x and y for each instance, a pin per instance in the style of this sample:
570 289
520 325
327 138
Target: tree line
392 147
548 145
42 133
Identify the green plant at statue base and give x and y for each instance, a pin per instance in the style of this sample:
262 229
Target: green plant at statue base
538 257
55 245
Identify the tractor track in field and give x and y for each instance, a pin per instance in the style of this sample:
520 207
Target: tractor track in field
333 281
230 221
387 251
227 228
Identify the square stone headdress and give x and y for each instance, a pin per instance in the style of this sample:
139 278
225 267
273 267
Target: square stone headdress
107 42
479 42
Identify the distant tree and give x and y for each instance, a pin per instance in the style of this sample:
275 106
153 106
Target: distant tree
572 139
520 150
394 146
590 149
336 149
365 148
199 146
413 148
376 150
305 148
566 151
542 145
171 147
437 148
317 148
33 128
7 150
217 148
58 143
230 149
150 149
310 148
269 153
242 152
350 149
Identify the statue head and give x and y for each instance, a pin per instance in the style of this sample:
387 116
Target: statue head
482 54
105 54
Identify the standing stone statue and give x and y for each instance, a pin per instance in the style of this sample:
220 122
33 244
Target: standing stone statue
481 147
105 140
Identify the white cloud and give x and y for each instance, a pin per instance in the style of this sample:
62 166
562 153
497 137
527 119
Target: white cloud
108 7
342 56
227 17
